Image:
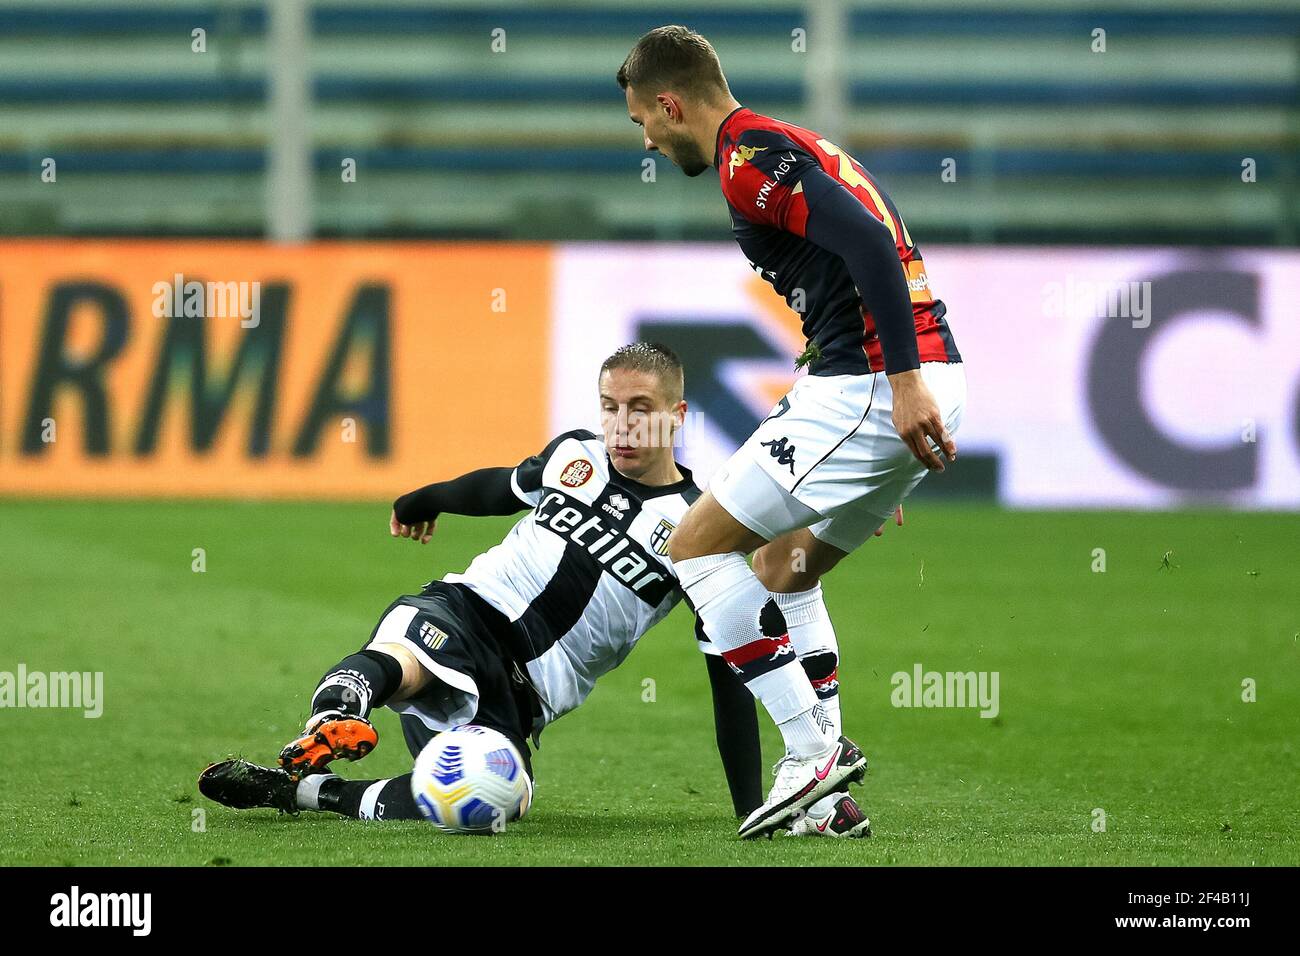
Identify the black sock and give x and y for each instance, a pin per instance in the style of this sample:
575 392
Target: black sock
358 684
736 721
394 802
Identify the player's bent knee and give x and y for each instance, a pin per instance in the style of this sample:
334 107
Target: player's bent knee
795 562
770 566
784 571
414 677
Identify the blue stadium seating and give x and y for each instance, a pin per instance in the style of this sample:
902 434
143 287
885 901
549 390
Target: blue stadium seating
1161 127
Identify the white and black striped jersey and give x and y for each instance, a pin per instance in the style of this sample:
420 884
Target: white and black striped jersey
586 572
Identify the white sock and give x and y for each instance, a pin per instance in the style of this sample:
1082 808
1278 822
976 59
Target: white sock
809 733
813 635
307 796
729 598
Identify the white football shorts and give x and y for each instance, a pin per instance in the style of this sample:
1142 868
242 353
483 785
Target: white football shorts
827 458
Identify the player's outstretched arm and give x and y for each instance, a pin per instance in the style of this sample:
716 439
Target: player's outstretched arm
487 491
839 223
735 721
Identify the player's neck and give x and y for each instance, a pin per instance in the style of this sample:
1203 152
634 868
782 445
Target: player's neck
711 118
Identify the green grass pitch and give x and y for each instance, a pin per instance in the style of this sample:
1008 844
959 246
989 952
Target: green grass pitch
1120 693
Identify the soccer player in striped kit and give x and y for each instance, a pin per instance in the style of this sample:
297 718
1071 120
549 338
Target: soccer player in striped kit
521 636
884 393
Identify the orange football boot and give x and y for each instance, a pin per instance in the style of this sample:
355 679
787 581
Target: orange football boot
337 736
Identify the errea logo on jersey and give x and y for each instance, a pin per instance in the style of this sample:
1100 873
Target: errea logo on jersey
741 155
617 505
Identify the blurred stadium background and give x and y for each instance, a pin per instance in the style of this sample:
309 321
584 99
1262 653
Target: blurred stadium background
1142 143
1161 135
449 222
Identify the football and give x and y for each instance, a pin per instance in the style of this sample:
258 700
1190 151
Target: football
471 779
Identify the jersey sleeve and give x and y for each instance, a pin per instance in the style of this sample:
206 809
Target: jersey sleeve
526 479
840 224
763 178
487 491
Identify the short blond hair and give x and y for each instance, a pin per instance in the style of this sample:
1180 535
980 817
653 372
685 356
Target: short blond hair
653 358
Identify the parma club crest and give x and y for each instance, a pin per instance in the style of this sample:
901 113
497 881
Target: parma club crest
432 637
659 537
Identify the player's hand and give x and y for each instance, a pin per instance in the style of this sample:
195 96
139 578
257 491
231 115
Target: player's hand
421 531
917 420
898 520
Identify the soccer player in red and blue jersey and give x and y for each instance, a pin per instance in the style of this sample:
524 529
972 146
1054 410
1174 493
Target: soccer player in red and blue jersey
884 393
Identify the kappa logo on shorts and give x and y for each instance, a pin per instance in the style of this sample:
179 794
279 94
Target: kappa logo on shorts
432 637
576 473
782 451
659 537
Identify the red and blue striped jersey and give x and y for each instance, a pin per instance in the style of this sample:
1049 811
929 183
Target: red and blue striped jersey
761 163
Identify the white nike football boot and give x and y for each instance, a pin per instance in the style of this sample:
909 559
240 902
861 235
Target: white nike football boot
801 782
841 817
